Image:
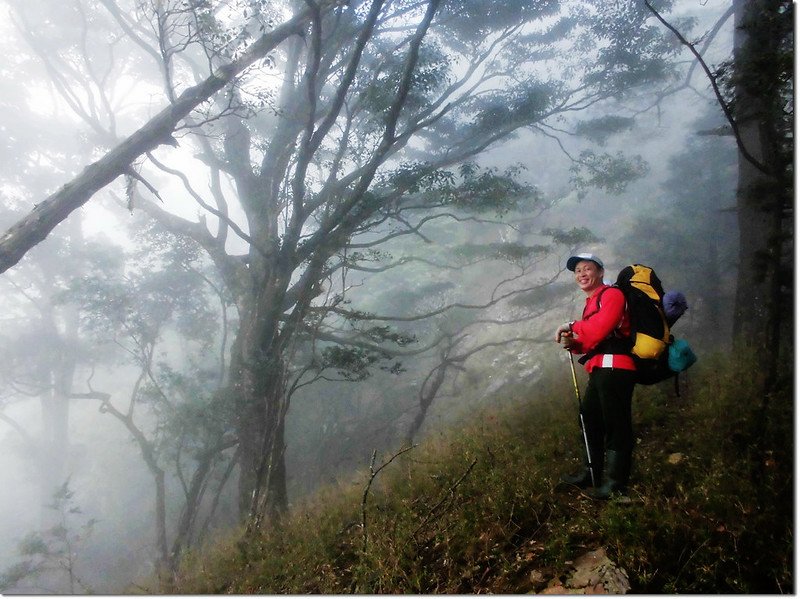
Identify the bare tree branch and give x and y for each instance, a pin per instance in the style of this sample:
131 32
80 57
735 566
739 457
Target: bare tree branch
720 100
450 494
432 313
372 474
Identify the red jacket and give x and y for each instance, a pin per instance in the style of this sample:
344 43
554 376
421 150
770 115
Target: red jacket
600 319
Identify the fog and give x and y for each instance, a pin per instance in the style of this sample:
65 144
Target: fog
121 330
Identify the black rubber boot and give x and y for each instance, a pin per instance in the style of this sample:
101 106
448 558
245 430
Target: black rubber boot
583 478
618 471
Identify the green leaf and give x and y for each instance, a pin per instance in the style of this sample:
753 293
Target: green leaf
604 171
600 129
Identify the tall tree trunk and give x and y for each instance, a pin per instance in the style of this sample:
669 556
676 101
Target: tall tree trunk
759 197
62 326
765 203
55 437
257 381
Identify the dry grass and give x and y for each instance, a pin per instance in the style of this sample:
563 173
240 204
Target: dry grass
474 510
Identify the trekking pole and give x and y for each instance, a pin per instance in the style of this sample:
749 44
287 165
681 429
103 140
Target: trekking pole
580 415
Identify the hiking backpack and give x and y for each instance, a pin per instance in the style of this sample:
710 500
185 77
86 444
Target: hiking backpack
658 355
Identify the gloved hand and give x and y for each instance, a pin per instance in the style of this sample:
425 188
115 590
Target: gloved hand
564 330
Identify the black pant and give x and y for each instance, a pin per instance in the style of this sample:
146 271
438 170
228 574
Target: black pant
607 410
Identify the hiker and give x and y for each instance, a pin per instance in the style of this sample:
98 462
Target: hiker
603 336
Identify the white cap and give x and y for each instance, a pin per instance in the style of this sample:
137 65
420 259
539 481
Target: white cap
573 260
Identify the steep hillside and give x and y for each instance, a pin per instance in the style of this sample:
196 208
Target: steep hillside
475 509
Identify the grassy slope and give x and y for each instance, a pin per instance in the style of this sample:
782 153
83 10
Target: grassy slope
474 509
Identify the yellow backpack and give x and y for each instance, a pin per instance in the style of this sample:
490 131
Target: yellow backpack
657 354
643 293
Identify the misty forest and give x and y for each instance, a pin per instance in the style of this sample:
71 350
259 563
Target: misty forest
257 255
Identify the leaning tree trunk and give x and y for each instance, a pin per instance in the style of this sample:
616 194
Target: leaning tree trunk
48 213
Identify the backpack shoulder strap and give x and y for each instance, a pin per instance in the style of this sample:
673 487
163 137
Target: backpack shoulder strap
602 347
599 299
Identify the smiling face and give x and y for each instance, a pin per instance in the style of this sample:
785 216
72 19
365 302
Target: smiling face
588 275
